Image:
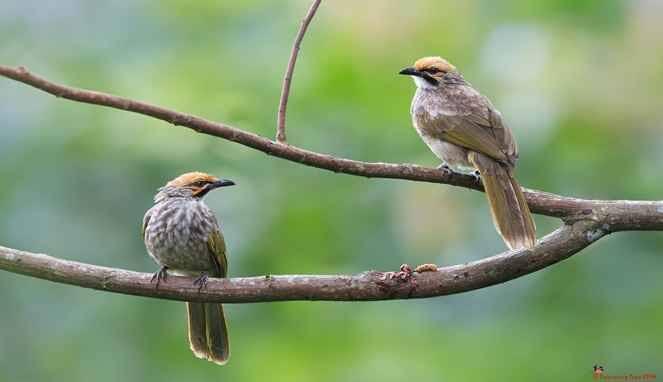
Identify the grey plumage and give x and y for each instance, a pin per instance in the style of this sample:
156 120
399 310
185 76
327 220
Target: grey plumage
177 229
183 236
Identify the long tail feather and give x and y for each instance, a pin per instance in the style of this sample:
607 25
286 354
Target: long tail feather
217 334
508 206
208 335
197 329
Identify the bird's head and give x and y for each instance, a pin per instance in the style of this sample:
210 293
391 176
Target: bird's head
192 184
429 72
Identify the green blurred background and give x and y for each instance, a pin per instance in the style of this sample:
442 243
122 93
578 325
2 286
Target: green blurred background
580 82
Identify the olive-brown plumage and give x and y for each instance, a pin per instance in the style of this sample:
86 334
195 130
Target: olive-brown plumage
182 235
465 130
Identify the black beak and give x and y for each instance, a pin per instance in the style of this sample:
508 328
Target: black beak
222 183
410 72
414 72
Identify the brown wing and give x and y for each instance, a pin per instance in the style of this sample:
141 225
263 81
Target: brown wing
217 247
480 130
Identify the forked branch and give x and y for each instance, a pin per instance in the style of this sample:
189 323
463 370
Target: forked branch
540 202
585 221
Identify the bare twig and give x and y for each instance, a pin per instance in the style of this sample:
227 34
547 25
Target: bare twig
287 79
366 286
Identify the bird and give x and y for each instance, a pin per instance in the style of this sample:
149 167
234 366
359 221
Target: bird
183 236
465 131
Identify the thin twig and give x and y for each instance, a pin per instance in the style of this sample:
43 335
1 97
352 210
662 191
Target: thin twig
287 79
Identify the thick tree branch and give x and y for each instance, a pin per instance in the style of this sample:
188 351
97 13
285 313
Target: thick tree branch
540 202
287 78
585 222
366 286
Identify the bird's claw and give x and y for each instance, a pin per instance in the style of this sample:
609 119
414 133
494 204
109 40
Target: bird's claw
477 176
444 167
201 281
160 275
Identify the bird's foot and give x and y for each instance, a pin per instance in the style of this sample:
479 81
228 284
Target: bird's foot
477 176
201 281
426 268
160 275
445 167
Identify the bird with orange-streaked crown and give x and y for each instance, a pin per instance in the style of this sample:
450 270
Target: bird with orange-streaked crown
466 132
182 235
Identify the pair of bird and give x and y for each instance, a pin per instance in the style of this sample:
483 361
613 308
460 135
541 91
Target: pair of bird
458 124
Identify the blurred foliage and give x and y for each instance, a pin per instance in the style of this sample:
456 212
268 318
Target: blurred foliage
580 82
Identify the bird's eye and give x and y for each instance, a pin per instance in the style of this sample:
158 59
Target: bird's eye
432 70
199 183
